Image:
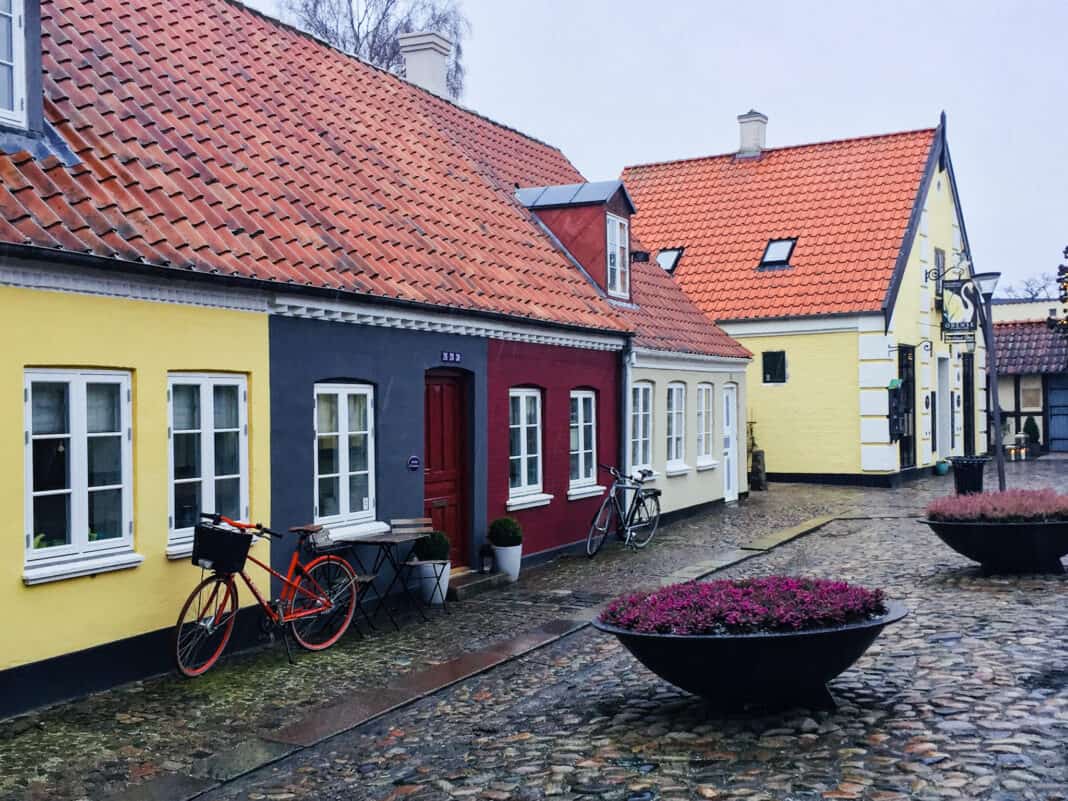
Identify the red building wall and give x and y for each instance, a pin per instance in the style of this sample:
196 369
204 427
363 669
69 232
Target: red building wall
555 371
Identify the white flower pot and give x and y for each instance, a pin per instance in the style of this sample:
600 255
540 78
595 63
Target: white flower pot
508 560
425 582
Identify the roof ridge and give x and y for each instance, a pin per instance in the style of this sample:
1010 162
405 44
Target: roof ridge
784 147
460 106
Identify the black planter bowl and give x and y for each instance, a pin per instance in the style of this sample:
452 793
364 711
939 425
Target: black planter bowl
765 669
1007 547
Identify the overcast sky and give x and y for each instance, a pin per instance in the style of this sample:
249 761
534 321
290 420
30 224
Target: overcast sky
628 82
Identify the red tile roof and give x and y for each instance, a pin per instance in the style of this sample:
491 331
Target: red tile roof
847 202
663 318
1029 347
213 139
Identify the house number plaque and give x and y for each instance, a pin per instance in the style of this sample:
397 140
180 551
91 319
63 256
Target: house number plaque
452 356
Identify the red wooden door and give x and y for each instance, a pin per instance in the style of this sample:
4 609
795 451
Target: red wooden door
445 460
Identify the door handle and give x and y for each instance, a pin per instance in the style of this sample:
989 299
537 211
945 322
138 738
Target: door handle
440 503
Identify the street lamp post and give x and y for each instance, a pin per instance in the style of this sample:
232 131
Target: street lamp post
986 283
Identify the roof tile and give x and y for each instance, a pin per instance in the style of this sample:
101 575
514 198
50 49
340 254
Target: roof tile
847 203
212 138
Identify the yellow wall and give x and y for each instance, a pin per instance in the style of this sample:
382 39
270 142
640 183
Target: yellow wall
697 486
915 318
52 329
810 424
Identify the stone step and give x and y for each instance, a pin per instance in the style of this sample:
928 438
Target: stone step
471 584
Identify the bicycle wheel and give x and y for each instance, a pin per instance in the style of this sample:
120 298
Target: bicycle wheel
205 625
646 519
603 522
334 578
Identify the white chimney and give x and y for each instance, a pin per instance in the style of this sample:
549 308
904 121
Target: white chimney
426 60
753 125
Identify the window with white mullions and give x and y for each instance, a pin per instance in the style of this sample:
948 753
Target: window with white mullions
641 426
676 423
705 423
209 450
78 463
344 453
524 441
618 257
12 63
583 429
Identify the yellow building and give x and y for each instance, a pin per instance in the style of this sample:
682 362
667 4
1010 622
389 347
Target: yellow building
827 261
141 401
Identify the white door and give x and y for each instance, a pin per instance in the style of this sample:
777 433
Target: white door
730 442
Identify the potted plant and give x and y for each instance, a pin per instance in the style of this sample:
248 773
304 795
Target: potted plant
737 642
432 577
506 537
1017 531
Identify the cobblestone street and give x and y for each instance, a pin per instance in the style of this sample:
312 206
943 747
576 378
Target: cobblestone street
966 698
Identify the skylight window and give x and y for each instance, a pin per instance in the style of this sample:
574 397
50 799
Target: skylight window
777 253
668 258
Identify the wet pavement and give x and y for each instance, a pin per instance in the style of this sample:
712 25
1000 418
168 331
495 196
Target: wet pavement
966 698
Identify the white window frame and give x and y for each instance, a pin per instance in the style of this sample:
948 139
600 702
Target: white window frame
675 428
80 557
180 541
706 425
525 488
587 458
641 425
343 391
617 282
17 117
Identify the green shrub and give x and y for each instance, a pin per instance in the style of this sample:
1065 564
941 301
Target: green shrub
1031 429
434 547
505 532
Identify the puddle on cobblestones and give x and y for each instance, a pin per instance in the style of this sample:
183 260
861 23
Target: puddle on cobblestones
1052 679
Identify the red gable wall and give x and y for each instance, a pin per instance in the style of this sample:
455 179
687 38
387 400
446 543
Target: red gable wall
581 229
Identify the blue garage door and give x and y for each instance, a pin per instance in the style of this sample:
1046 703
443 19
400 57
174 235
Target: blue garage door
1058 413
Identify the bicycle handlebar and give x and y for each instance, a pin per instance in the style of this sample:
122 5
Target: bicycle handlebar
259 528
614 472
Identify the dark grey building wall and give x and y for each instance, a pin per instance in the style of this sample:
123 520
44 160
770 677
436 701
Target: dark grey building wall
305 352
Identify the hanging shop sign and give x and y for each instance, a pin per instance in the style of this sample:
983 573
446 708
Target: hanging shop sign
960 310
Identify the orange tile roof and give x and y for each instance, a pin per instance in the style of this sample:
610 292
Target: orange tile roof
663 318
848 203
213 139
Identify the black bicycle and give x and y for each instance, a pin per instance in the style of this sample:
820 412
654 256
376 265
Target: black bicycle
634 522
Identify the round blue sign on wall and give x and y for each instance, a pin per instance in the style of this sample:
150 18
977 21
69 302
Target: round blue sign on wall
414 463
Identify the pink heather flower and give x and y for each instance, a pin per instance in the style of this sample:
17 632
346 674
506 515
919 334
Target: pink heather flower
1011 506
739 606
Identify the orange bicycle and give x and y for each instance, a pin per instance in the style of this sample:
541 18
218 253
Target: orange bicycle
317 602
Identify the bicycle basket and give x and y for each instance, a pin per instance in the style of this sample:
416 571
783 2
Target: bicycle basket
220 549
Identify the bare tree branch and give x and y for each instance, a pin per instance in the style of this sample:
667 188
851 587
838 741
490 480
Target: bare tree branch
369 29
1035 287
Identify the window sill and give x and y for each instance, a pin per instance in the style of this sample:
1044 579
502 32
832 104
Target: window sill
180 550
78 566
354 532
585 491
676 469
709 465
531 501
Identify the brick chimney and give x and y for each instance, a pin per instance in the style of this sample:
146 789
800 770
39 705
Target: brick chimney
752 126
426 60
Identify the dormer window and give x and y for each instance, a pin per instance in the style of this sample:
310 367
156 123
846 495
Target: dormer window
618 257
668 258
12 63
777 254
